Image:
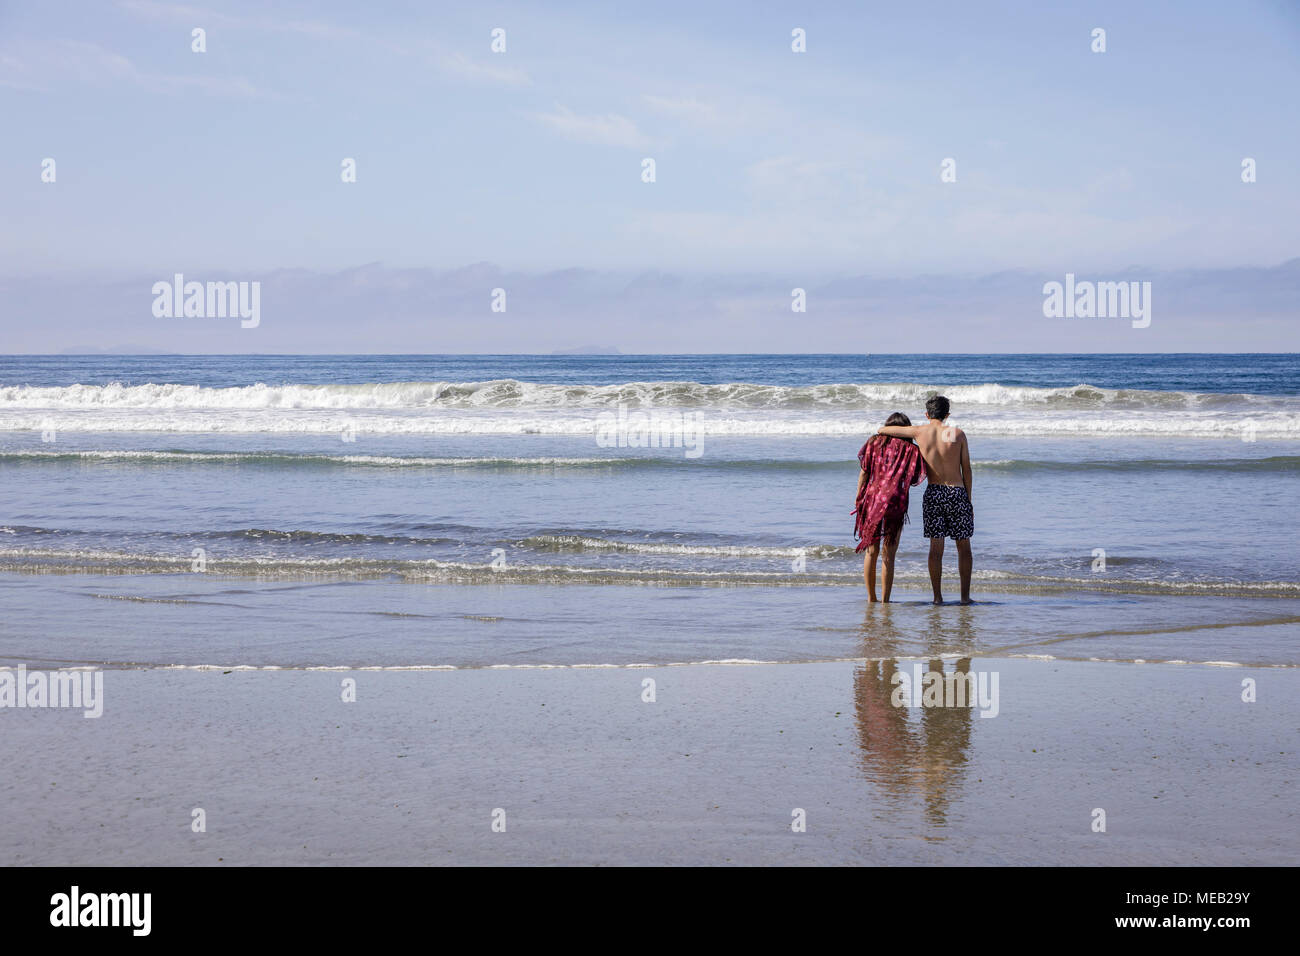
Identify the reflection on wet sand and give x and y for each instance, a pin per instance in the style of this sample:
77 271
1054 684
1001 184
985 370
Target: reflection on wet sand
916 628
911 752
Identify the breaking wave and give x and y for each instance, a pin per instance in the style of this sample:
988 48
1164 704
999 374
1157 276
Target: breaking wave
167 457
510 393
510 407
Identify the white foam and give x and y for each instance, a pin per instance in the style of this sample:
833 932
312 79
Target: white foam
712 422
383 461
509 407
503 393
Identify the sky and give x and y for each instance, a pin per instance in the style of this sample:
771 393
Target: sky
773 169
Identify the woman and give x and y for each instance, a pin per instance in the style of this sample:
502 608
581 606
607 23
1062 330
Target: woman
890 466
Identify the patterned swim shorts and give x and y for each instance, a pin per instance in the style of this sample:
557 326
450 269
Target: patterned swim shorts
948 512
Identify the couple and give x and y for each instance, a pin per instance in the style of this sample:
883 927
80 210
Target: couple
891 464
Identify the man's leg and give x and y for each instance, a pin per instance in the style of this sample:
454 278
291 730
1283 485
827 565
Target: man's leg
936 569
890 549
869 570
964 566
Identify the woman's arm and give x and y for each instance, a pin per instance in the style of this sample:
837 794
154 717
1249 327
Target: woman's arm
919 471
865 456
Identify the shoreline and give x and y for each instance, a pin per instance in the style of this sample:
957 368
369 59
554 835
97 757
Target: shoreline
946 656
212 622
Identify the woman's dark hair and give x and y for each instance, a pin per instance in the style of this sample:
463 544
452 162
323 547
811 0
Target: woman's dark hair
898 418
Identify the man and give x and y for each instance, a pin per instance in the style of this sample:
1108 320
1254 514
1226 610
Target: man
948 503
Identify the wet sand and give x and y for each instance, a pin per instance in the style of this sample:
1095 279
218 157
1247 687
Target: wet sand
150 621
710 772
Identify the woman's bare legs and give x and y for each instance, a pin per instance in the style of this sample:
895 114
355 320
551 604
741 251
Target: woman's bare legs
891 548
869 572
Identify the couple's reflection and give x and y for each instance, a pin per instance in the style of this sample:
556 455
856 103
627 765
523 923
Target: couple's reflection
913 751
920 628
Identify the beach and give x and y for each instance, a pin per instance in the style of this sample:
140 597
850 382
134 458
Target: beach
492 554
710 773
464 436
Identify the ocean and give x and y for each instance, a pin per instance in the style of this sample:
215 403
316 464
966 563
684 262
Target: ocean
530 511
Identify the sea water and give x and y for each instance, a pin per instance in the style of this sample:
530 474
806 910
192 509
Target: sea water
395 511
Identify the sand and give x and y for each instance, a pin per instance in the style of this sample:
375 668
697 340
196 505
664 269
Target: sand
711 772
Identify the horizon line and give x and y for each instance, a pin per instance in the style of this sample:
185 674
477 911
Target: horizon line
619 355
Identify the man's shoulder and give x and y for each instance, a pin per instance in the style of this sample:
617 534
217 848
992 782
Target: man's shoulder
939 432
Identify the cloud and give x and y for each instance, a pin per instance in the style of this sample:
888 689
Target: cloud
687 109
307 311
608 130
784 174
200 17
89 63
452 63
458 64
725 114
16 74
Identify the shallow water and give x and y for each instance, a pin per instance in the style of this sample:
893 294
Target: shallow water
400 511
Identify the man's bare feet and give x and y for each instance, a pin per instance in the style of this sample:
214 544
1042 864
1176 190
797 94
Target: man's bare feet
967 600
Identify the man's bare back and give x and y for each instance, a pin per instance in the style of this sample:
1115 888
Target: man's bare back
944 448
946 453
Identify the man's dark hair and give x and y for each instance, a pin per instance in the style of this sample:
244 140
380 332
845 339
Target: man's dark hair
937 408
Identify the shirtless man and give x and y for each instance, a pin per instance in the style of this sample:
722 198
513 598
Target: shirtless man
948 504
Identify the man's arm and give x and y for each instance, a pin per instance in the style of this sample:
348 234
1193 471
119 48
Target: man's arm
900 431
968 479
